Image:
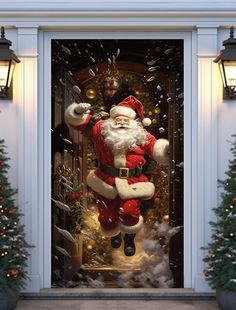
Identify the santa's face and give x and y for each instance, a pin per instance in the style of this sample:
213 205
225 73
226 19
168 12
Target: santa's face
122 133
122 121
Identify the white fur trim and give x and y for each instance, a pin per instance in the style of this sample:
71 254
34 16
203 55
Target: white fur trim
160 151
111 232
72 118
131 229
101 187
120 160
142 190
122 111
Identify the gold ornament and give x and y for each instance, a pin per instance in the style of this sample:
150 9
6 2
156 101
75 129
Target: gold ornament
165 218
91 93
157 110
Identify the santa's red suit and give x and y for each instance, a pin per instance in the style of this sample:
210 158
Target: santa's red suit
118 181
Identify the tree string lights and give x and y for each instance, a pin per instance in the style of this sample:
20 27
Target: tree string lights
221 257
13 253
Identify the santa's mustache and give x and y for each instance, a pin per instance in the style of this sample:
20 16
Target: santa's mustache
120 126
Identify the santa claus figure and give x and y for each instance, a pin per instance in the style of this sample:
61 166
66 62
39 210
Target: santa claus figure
120 144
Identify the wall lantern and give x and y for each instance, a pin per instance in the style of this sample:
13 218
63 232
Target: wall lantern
8 59
227 64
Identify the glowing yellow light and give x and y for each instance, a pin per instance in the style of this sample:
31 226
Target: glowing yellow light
230 73
89 247
3 73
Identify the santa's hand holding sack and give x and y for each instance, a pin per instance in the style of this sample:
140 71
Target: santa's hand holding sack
120 144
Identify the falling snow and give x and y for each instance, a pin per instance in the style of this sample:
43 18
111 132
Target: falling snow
150 266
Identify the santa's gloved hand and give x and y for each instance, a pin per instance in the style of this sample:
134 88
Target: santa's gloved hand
82 108
161 151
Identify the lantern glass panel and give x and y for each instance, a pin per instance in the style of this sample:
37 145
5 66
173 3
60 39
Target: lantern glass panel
222 73
230 73
11 73
4 70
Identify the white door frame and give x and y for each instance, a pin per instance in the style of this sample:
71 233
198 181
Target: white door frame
190 138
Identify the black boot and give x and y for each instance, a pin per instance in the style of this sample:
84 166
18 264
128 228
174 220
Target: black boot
116 241
129 246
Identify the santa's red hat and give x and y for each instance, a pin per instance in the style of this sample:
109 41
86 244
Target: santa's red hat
129 107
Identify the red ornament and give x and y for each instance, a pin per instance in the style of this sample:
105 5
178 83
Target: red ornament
14 273
111 85
11 211
86 259
234 201
73 197
1 197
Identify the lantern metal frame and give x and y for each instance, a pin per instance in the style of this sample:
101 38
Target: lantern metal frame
228 56
8 59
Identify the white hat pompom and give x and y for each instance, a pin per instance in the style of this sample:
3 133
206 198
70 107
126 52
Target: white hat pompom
146 122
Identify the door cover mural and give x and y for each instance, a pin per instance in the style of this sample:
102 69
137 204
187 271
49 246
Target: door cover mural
103 235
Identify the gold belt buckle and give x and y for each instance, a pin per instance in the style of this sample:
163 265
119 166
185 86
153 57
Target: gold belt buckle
123 173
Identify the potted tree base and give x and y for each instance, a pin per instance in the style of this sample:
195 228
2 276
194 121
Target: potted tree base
221 258
8 299
226 299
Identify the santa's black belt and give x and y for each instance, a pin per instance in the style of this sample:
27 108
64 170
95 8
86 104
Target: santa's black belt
122 173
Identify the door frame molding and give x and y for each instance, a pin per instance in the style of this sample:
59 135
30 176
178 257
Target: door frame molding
45 134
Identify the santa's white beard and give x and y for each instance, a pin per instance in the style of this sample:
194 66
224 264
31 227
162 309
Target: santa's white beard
122 137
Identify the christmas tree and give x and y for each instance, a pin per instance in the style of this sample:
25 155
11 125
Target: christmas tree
221 259
13 253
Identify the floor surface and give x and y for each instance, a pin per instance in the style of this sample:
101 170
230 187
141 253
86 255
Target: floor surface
116 305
